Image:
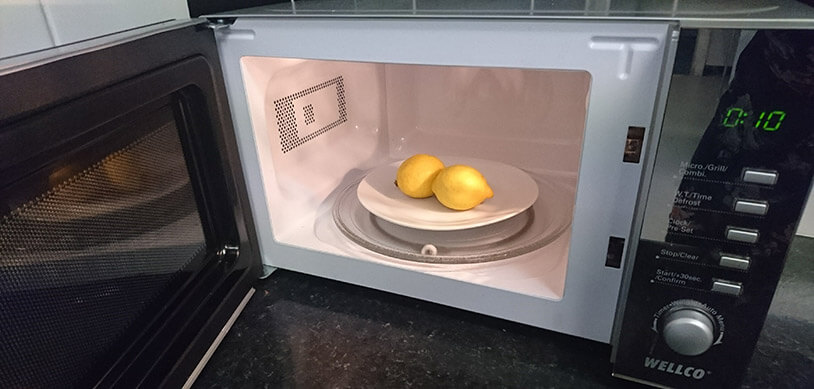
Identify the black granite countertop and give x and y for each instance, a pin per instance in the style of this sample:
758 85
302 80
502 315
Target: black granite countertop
304 331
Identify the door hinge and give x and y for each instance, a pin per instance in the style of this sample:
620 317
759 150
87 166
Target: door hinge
229 252
219 23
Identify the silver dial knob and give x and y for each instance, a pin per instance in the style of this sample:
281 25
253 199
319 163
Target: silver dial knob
688 331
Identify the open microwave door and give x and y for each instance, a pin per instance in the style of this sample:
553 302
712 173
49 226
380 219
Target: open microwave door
126 244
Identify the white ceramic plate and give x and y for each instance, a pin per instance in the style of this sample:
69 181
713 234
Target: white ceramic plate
514 191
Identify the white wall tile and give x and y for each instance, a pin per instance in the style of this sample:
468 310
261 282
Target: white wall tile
22 27
75 20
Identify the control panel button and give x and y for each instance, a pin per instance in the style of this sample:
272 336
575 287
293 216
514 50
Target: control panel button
734 261
727 287
757 176
753 207
742 234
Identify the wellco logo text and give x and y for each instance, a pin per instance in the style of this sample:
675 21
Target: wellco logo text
675 368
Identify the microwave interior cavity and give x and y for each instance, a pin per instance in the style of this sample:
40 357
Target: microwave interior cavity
321 126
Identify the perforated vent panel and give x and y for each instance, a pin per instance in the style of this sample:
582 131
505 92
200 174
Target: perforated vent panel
293 131
81 262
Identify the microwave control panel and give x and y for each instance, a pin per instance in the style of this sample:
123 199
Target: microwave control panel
698 299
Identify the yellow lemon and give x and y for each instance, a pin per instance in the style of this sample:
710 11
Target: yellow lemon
415 175
461 187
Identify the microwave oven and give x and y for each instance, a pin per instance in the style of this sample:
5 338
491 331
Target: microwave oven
649 168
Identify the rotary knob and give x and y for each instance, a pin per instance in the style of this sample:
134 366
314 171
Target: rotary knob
688 330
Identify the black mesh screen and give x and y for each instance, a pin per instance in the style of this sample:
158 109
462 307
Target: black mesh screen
80 263
287 116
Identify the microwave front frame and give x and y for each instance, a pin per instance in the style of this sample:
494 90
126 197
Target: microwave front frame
625 59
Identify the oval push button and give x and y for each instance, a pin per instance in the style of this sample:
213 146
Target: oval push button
726 287
742 234
753 207
758 176
734 261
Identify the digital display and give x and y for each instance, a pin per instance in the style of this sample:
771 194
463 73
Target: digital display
768 121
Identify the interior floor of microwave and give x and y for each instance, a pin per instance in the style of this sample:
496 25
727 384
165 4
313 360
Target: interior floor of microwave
309 332
539 273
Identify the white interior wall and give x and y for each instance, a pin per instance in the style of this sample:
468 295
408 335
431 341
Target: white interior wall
30 25
300 179
494 113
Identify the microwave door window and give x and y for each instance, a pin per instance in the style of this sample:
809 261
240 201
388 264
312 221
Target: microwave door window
100 244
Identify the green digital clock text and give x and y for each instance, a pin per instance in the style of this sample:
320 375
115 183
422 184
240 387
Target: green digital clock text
768 121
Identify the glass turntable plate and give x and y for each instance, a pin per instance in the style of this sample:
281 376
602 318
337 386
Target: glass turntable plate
515 191
536 226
